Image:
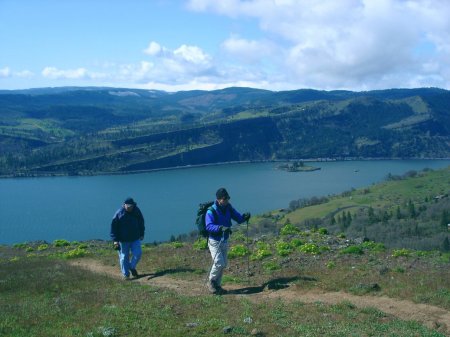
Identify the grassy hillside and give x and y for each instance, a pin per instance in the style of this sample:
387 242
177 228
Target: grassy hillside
409 211
291 277
95 130
301 284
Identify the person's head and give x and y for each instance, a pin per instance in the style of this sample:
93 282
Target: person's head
129 204
222 196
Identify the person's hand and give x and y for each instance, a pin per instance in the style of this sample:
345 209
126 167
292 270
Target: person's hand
246 216
116 245
227 230
224 230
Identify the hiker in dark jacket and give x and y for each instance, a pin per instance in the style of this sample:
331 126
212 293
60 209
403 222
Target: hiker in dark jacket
127 232
218 224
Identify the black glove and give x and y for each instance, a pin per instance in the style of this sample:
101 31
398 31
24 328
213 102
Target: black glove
227 230
116 246
224 230
246 216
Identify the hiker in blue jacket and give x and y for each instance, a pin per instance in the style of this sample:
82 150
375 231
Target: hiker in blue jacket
218 225
127 232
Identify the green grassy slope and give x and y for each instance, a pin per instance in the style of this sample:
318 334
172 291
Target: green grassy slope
280 280
410 211
45 295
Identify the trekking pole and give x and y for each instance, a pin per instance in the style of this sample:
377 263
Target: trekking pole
248 255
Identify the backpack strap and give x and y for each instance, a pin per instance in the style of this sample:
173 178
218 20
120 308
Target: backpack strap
214 212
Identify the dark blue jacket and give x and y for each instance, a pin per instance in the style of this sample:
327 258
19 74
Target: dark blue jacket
127 226
222 217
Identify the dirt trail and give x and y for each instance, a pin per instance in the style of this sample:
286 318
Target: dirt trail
428 315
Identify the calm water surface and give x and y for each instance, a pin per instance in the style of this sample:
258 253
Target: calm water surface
81 208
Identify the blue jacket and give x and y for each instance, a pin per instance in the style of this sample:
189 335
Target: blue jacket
222 217
127 226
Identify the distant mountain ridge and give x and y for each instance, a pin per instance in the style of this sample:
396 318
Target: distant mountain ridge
92 130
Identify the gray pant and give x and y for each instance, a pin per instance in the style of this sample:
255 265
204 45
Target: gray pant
219 251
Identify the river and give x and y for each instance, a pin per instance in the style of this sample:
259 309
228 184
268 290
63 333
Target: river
81 208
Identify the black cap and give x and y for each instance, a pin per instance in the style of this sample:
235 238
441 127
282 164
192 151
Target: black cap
129 201
222 194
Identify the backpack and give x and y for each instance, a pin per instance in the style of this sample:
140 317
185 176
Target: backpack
201 213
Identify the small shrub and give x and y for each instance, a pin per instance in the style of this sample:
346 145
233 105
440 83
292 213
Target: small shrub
331 265
353 250
341 236
238 251
289 229
20 245
239 237
74 253
177 244
283 248
296 242
310 248
401 252
324 249
200 244
374 246
262 251
61 243
42 247
271 265
445 258
29 249
323 231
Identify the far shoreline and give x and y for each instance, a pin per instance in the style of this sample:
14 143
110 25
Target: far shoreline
93 174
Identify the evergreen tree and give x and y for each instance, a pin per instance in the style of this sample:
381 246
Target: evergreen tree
349 219
332 221
398 213
411 209
445 218
446 245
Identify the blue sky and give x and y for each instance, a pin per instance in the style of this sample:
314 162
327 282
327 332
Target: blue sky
177 45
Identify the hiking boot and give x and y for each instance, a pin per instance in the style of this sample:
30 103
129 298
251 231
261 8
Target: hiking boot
212 287
220 290
134 272
215 289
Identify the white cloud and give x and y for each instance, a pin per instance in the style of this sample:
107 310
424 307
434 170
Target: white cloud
153 49
350 44
326 44
5 72
55 73
72 74
248 51
191 54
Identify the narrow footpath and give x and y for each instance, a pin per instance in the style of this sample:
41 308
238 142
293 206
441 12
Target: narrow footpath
431 316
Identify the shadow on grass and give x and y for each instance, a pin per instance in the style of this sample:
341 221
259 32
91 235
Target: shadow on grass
275 284
166 272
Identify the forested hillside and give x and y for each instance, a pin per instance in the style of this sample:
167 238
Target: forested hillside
410 211
104 130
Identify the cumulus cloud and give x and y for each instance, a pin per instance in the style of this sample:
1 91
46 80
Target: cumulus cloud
186 63
72 74
153 49
248 51
55 73
327 44
348 43
5 72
